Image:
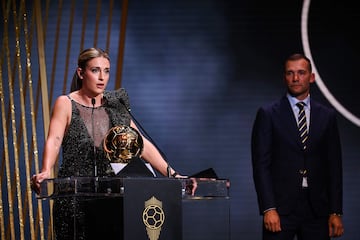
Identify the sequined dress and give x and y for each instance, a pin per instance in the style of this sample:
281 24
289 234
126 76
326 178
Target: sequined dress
88 126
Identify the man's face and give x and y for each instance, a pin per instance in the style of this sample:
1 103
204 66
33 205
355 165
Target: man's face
298 78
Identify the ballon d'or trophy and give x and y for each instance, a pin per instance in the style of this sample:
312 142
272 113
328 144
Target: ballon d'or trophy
123 143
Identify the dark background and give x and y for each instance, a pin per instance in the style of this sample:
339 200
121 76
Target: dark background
196 72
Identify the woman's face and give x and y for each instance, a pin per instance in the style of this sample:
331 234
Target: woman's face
95 76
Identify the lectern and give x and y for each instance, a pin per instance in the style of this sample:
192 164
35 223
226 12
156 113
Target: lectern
128 208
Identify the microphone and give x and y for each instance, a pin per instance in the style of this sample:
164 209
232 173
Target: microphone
93 133
128 109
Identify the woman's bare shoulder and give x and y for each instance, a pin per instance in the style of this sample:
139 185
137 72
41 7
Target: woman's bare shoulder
63 99
62 103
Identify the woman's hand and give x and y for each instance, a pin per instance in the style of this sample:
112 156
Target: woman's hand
178 175
37 179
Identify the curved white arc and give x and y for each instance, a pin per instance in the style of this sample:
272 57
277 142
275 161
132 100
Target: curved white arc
306 46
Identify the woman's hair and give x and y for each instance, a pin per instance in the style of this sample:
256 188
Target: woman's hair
85 56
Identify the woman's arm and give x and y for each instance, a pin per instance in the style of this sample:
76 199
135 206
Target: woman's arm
59 121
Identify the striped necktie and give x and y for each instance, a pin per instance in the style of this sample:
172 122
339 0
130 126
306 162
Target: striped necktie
302 124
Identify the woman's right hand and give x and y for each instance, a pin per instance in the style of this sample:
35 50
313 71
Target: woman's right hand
36 180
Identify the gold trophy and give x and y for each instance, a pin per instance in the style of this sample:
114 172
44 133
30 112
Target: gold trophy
123 143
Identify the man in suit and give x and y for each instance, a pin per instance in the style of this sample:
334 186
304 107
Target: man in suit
298 179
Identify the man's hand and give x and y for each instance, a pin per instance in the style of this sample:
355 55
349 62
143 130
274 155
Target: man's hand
336 228
272 221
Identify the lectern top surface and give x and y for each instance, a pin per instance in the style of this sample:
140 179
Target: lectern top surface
114 186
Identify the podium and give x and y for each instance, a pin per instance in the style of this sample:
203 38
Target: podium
148 208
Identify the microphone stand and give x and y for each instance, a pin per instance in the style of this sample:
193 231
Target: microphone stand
148 137
94 149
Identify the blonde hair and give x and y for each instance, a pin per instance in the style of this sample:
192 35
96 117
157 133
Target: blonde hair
85 56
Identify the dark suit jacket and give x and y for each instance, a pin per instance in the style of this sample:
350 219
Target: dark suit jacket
277 157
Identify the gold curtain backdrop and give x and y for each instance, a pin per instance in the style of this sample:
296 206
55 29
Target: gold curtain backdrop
40 42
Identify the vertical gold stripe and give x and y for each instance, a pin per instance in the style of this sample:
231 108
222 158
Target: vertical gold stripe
11 103
42 72
41 218
111 6
33 126
17 63
39 214
98 14
56 47
120 58
4 121
5 153
42 63
5 157
84 18
73 3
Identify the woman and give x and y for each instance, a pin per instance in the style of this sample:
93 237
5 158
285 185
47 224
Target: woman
79 123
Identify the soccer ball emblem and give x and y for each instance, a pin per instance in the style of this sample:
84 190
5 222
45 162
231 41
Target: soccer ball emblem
153 217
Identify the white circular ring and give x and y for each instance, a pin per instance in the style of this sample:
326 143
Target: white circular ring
306 46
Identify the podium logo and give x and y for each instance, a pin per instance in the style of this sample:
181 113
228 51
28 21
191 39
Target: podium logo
153 218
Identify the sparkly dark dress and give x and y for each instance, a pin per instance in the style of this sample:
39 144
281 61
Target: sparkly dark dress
78 156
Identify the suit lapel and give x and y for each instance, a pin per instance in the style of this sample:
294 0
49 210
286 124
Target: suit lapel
316 123
289 122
